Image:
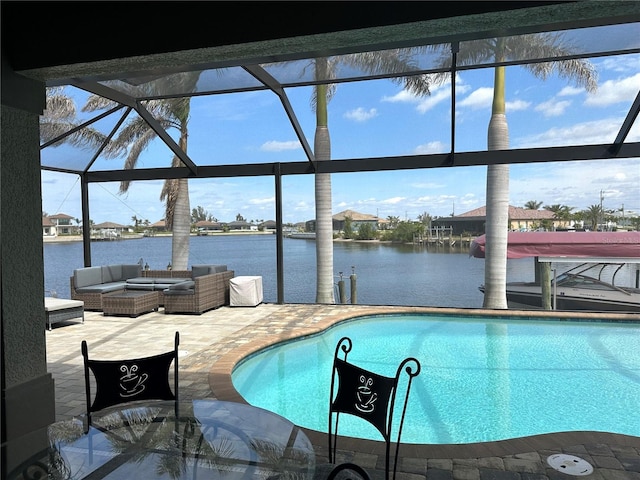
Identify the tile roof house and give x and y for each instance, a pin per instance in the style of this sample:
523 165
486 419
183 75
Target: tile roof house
520 219
240 225
267 225
357 219
58 224
205 226
159 226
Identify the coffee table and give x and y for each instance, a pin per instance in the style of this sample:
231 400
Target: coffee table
130 302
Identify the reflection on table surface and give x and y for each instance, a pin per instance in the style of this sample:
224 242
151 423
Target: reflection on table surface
209 439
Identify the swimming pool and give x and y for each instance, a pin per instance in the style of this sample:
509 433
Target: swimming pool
482 379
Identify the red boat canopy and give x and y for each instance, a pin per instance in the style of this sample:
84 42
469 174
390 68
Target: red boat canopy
566 244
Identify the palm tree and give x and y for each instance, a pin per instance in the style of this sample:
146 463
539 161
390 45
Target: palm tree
136 134
393 221
324 69
593 215
561 212
543 45
532 205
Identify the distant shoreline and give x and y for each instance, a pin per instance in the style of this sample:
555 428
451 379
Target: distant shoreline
135 236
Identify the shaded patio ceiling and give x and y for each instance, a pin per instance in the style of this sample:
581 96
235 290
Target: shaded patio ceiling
116 49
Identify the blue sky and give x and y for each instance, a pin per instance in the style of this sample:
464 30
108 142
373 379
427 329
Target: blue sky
379 118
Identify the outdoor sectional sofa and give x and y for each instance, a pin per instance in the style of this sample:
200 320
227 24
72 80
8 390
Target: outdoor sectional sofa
209 288
200 289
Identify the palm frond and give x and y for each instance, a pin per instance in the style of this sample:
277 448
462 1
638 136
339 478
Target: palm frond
59 105
96 102
60 117
539 45
398 60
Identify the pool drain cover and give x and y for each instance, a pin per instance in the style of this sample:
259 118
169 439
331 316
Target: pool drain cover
570 465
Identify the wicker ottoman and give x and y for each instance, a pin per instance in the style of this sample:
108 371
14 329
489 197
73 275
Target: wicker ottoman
130 302
61 309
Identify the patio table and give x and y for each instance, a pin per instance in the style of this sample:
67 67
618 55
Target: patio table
207 439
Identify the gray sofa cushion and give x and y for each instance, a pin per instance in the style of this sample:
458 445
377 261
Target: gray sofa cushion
84 277
131 271
183 285
148 286
199 270
102 287
153 280
120 272
172 280
141 280
141 286
112 273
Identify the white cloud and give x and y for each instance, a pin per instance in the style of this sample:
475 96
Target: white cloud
360 114
275 146
428 185
577 184
437 96
402 96
262 201
622 63
302 206
553 108
587 133
439 93
614 91
569 90
430 147
393 200
478 99
517 105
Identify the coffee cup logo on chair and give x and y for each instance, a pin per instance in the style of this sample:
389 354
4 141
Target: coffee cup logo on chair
366 397
132 383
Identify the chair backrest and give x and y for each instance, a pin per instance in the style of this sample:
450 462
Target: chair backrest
350 471
130 380
370 396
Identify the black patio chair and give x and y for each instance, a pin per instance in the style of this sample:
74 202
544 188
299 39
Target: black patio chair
370 396
348 471
130 380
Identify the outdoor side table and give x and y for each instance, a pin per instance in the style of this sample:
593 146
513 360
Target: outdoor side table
130 302
245 291
61 309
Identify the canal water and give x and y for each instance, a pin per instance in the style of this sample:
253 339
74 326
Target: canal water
386 274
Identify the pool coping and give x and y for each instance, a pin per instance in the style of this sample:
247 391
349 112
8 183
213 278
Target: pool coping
223 389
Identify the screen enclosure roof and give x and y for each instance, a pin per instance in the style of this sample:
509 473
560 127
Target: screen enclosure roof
278 63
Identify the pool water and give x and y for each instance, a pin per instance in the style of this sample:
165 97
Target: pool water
482 379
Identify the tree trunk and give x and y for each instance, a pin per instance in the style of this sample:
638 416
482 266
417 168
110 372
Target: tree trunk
497 226
181 228
324 221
